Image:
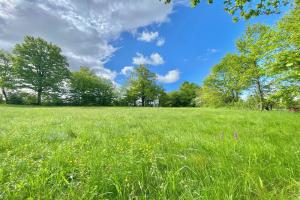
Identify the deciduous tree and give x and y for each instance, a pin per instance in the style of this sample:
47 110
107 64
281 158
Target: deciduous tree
89 89
257 47
40 66
143 86
227 79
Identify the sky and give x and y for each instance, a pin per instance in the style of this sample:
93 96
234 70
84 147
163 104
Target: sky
177 42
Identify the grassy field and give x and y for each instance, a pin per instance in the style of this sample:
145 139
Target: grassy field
148 153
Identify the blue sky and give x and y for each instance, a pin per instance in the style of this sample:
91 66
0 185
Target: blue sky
195 40
112 37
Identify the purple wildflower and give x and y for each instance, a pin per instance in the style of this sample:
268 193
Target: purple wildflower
235 135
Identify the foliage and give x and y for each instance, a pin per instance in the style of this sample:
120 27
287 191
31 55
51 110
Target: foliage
39 66
256 46
89 89
230 77
173 99
188 92
247 8
210 96
6 74
266 68
286 65
184 97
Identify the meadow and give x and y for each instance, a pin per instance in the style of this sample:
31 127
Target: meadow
148 153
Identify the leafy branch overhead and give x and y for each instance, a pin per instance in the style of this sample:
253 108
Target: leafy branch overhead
247 8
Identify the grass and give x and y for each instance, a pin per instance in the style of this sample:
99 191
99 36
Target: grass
148 153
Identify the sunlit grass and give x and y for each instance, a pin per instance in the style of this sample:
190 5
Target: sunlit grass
148 153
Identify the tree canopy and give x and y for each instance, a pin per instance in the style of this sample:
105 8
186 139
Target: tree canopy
184 97
230 77
89 89
40 66
247 8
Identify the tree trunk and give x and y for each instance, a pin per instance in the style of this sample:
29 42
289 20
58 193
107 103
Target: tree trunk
5 95
260 94
143 101
39 97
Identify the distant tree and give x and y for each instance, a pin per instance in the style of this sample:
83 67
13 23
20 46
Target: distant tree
89 89
163 98
188 93
248 8
6 73
184 97
173 99
142 86
40 66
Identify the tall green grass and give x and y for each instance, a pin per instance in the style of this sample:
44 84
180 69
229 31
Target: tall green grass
148 153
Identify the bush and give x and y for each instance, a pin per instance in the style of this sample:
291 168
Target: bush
21 98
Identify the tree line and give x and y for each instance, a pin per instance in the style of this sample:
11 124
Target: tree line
36 72
262 74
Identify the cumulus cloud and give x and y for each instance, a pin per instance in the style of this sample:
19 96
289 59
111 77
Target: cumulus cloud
171 76
160 42
153 59
148 36
105 73
83 29
127 70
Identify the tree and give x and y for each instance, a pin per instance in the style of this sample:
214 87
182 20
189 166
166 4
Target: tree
210 96
257 46
142 86
227 79
188 93
6 73
40 66
184 97
89 89
173 99
285 67
288 42
248 8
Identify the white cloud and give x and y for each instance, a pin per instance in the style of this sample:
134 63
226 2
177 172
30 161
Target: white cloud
154 59
139 59
212 51
105 73
160 42
83 29
127 70
171 77
148 36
